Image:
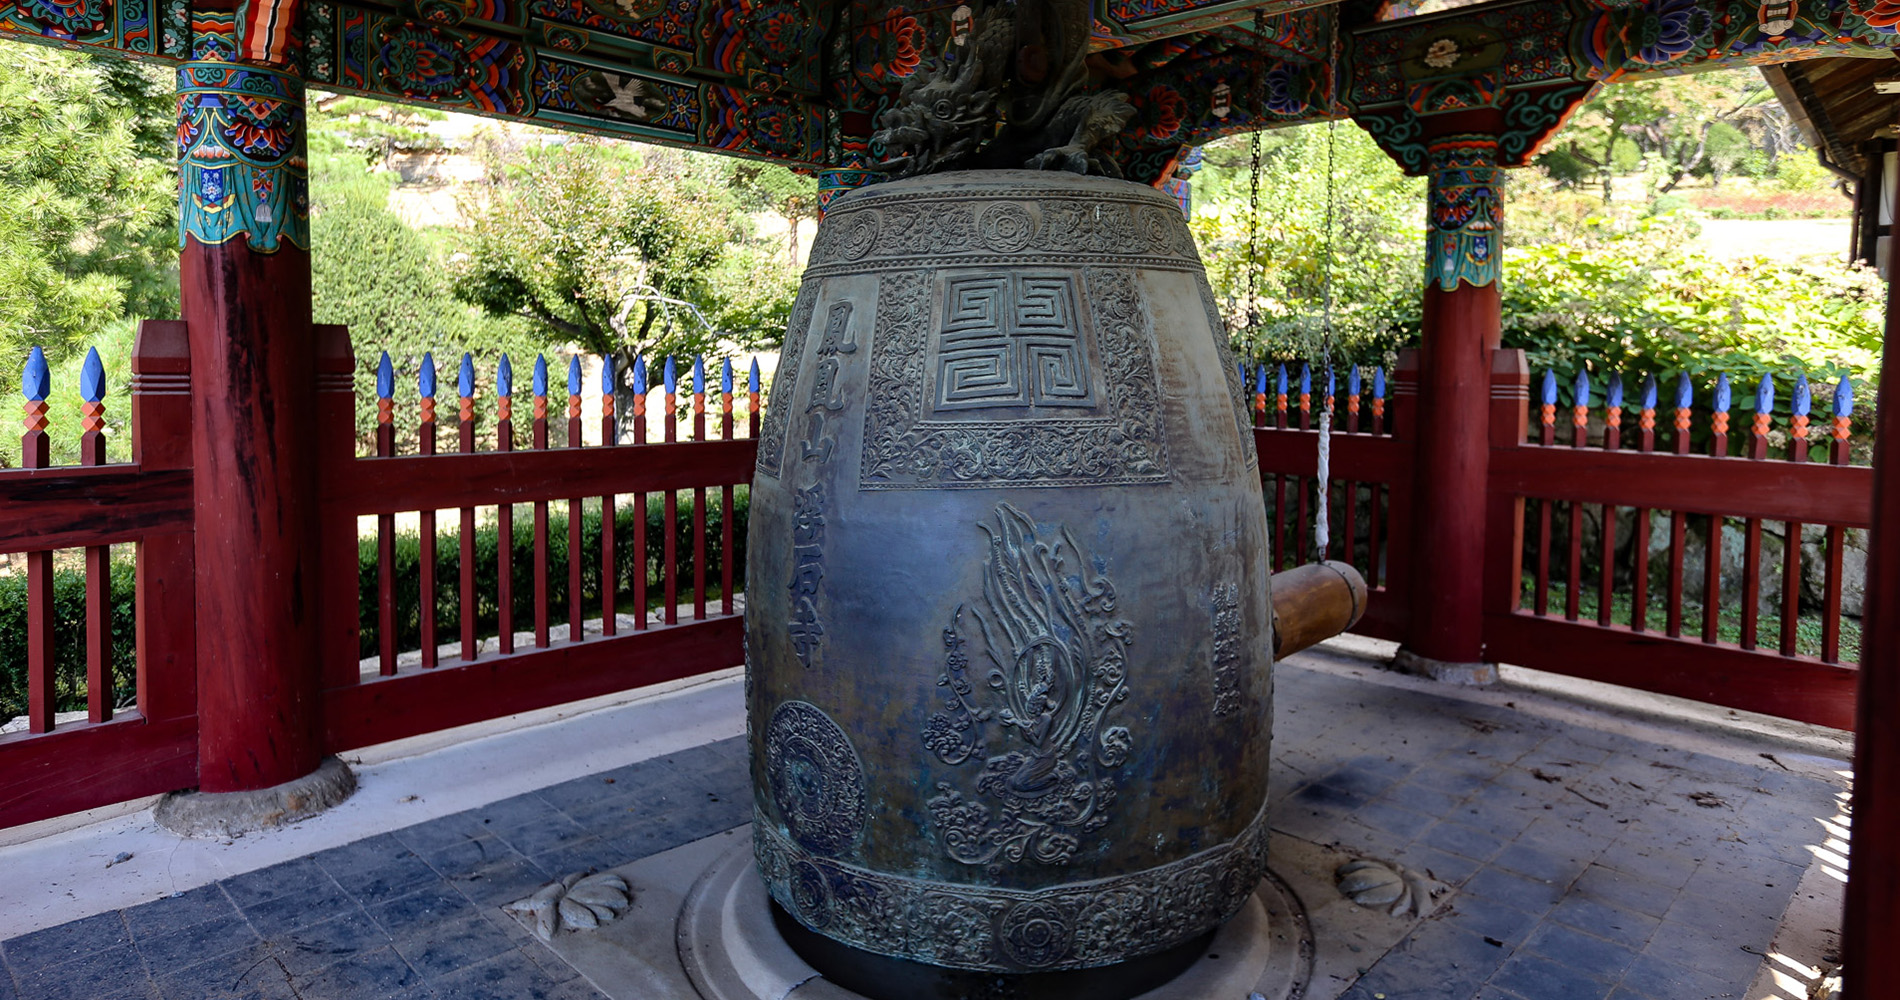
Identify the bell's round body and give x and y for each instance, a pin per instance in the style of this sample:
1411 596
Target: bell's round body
1007 619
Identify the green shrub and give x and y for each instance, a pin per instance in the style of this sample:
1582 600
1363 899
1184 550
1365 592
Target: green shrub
407 570
69 640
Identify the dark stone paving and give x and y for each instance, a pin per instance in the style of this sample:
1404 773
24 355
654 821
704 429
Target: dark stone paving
1584 868
1607 883
412 914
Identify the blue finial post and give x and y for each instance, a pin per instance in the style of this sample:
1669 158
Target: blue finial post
1260 380
1378 383
1764 414
1547 406
1354 381
36 381
385 406
1685 393
1547 391
639 376
607 375
92 378
608 425
1241 368
92 413
1331 384
1649 392
699 375
752 377
725 377
1843 418
1765 395
425 387
574 375
1306 379
465 416
1280 384
1580 408
1647 421
540 386
1719 425
672 378
1613 412
504 378
504 406
1800 403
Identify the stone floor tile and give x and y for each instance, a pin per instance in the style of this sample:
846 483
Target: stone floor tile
375 869
1456 838
1420 799
583 792
1527 894
1451 869
513 813
451 947
502 881
1403 824
1625 927
178 911
510 976
67 942
115 973
545 834
1591 955
1531 976
1624 890
1454 775
310 949
1658 978
252 973
429 906
371 975
297 877
1327 798
1530 857
318 902
458 857
197 942
1486 919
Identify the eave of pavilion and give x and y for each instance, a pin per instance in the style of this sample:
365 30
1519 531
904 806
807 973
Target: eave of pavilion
802 82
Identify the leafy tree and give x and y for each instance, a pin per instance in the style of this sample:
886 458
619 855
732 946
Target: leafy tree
619 250
377 129
1376 240
384 280
88 200
770 186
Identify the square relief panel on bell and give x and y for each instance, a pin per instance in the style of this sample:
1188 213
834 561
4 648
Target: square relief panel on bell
1013 344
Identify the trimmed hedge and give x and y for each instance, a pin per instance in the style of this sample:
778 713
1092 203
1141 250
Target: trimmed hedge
407 579
69 640
69 590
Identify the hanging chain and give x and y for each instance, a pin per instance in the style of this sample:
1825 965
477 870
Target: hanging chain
1253 204
1322 517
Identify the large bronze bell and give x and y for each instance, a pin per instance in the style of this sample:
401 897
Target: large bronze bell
1008 620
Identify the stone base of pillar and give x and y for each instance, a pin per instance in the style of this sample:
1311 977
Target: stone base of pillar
217 815
1472 674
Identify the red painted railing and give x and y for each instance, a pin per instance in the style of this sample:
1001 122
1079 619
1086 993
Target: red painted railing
60 765
1549 492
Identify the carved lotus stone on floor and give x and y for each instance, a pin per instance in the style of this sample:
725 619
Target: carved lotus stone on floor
579 902
1007 620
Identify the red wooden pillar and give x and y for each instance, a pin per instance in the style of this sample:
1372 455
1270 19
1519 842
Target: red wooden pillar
1461 330
1872 964
245 284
